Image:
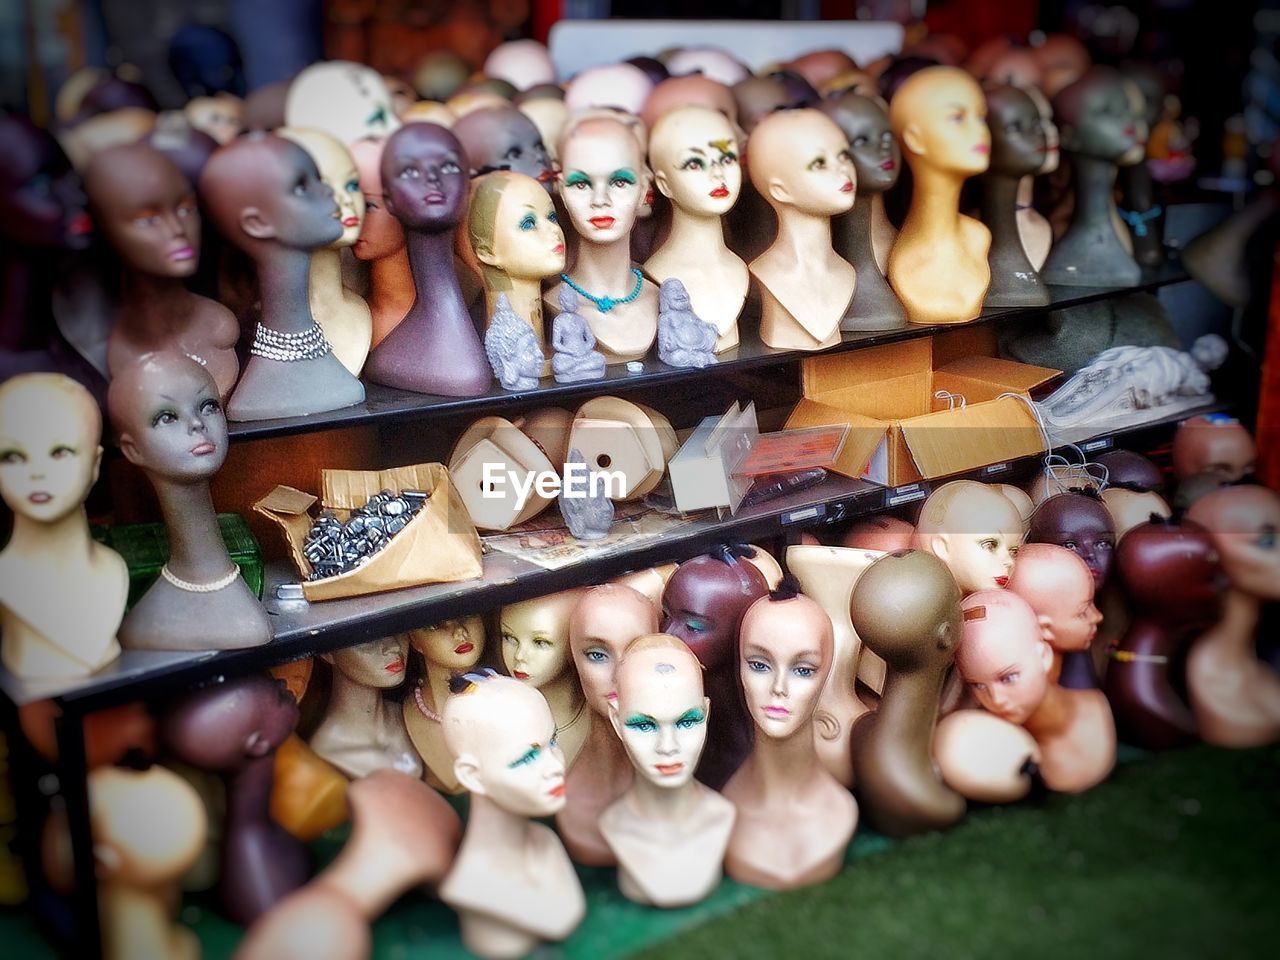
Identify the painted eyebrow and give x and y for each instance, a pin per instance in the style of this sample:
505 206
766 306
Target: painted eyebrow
577 176
639 718
624 173
698 151
693 714
807 655
759 652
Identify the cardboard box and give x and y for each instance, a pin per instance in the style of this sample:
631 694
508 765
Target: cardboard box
906 419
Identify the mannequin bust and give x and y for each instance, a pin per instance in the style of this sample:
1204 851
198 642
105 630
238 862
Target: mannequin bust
603 181
800 164
141 859
512 883
864 235
984 758
1018 149
703 605
603 623
1098 130
346 100
343 316
974 529
939 116
1234 695
232 728
147 210
535 651
382 245
1170 572
361 732
265 196
503 138
694 155
906 609
668 830
1007 665
1033 228
794 819
1213 442
50 453
1143 218
447 649
513 230
168 422
827 575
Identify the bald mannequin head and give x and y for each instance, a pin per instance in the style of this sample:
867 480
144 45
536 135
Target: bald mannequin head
380 234
819 66
1214 443
704 603
688 91
620 86
785 650
693 152
1058 586
906 609
605 621
497 138
800 159
338 171
974 529
1097 117
1243 522
148 850
939 116
1001 656
535 636
348 100
888 534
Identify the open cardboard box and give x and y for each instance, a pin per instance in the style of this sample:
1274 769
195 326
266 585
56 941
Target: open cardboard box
900 429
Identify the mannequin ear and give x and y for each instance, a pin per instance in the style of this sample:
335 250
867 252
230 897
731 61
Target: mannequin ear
108 857
1046 655
1046 628
484 253
706 707
660 181
614 718
778 190
912 140
940 547
467 771
127 446
254 222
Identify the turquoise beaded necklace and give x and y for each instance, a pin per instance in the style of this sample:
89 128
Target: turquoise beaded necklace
605 304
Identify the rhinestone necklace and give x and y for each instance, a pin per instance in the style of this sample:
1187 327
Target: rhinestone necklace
310 344
605 304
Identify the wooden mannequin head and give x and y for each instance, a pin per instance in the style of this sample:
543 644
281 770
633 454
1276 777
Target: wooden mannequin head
42 204
1058 585
503 138
694 155
704 603
347 100
874 149
1081 523
381 235
454 645
800 160
1243 521
784 655
424 178
535 637
975 530
603 179
1001 657
338 173
939 116
604 622
513 229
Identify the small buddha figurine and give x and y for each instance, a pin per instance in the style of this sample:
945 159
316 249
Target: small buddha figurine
684 339
576 357
512 348
669 832
62 594
447 650
361 731
587 513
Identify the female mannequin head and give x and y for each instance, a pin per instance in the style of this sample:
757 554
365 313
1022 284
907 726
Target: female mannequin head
1059 587
1018 143
876 156
939 115
503 138
380 233
687 91
1001 657
704 603
800 159
603 179
225 726
338 173
975 530
617 86
604 622
784 656
378 663
41 202
1082 524
454 645
1213 442
535 637
513 229
1243 521
1096 116
694 155
424 177
347 100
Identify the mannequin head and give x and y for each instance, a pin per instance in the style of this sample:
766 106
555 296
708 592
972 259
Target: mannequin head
220 116
454 645
975 530
1130 508
1059 588
535 637
618 86
513 228
1063 59
429 111
1216 443
1096 116
1052 138
549 115
940 116
378 663
906 609
183 145
150 850
522 63
660 713
1172 573
347 100
503 739
819 66
227 725
1243 522
440 73
704 603
692 90
887 534
694 155
1083 525
784 655
50 445
1002 658
757 97
1018 145
338 173
146 209
604 622
603 179
1017 66
503 138
800 159
264 192
380 234
167 417
875 153
1131 471
713 62
1019 498
41 202
424 177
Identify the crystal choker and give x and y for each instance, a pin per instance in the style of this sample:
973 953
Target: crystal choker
310 344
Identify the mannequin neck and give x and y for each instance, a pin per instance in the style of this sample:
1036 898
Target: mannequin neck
1238 627
1094 180
804 237
284 278
430 260
900 705
196 548
603 751
697 232
1000 209
604 269
326 274
391 283
1054 714
784 767
249 791
492 828
651 802
854 229
60 543
935 202
356 706
436 689
1026 191
564 697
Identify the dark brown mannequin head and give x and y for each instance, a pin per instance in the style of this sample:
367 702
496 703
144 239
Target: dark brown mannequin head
704 602
224 726
1081 523
497 138
42 204
1018 143
1130 470
906 609
1171 573
424 177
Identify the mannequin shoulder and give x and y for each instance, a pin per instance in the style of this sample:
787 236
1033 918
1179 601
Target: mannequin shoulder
110 564
218 320
975 233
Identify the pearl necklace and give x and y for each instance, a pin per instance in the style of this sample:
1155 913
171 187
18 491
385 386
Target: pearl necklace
605 304
310 344
186 585
422 706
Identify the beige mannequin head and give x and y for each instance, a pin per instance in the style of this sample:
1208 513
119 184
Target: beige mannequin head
800 159
50 445
220 116
1243 522
1001 657
1059 588
694 155
689 90
513 228
535 637
549 115
429 111
603 179
503 739
1132 508
1020 499
148 826
939 115
660 713
887 534
785 649
603 624
347 100
338 172
975 530
378 663
454 645
618 86
1217 443
380 233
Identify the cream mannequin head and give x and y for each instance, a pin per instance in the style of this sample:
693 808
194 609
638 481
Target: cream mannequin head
603 179
522 63
619 86
975 530
454 645
1132 508
549 115
604 622
689 90
347 100
801 159
148 826
513 228
429 111
378 663
1243 522
694 155
939 115
337 172
660 714
1059 588
503 739
380 233
784 655
1002 658
535 637
220 116
50 445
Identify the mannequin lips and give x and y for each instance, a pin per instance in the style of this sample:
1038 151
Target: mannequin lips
39 497
847 187
558 248
465 647
545 176
519 674
612 696
668 769
203 449
395 666
80 225
981 148
1002 581
720 192
352 221
889 165
557 790
181 254
776 712
601 223
434 197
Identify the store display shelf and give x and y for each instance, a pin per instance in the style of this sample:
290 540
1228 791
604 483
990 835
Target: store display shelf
384 405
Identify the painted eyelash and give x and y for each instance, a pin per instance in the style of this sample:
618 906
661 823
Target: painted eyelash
691 718
527 757
641 724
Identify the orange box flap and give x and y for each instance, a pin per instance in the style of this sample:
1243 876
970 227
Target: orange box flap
824 374
1019 377
864 437
955 441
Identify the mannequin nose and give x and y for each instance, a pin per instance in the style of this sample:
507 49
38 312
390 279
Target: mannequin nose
600 196
779 684
666 740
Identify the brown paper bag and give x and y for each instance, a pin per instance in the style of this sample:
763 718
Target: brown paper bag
440 544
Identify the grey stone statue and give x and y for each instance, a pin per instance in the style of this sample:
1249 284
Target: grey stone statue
576 356
588 517
683 339
513 349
